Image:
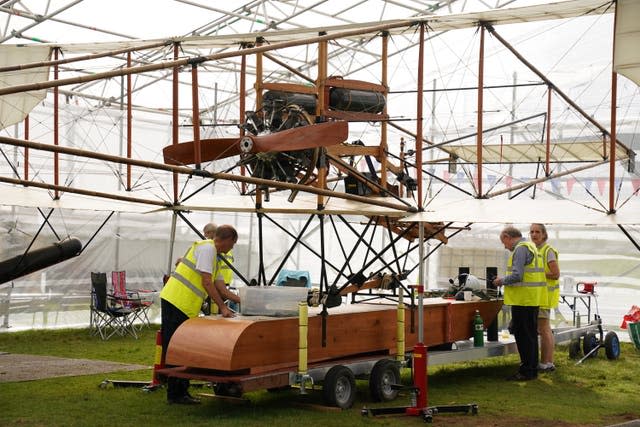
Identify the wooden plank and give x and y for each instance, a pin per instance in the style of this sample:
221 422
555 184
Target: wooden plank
354 116
261 343
290 87
355 84
354 150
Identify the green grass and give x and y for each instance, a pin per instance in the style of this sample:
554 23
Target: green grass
595 393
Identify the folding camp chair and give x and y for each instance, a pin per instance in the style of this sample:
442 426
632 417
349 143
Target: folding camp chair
130 299
108 315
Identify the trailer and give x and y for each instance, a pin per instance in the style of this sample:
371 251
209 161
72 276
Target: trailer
368 341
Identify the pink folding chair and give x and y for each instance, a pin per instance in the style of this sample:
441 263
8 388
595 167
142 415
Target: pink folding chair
130 299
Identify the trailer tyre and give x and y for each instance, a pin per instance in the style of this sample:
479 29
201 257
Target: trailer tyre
227 390
384 374
574 349
612 345
339 388
589 343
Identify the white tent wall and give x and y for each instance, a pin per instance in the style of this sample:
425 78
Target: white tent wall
575 55
587 254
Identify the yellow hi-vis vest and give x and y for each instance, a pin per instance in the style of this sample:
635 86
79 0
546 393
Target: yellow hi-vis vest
184 288
531 291
553 285
223 269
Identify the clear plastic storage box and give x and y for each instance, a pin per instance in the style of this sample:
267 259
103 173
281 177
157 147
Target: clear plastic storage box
271 300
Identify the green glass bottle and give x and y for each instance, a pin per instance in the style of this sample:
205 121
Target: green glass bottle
478 330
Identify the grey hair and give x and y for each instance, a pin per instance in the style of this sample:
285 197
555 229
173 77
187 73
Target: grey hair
511 231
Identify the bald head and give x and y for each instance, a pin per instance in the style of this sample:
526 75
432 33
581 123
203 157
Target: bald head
209 231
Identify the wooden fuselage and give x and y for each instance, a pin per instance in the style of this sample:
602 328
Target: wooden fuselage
256 344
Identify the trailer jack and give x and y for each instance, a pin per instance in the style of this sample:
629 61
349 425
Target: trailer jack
419 406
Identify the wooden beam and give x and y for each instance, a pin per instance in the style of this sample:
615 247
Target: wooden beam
343 150
353 116
290 87
355 84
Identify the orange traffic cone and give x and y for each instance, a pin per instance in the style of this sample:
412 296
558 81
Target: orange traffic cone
157 364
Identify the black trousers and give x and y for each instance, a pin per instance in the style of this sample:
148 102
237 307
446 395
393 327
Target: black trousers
172 318
525 330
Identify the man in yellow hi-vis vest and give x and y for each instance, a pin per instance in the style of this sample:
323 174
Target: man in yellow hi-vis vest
524 290
193 280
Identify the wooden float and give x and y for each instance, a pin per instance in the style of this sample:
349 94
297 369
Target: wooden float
260 344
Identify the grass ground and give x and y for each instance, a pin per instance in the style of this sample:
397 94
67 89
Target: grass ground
597 392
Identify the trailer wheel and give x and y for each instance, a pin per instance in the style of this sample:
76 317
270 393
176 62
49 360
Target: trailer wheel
612 345
339 388
574 349
227 390
384 375
589 343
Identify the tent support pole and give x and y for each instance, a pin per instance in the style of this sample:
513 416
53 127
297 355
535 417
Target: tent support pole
172 240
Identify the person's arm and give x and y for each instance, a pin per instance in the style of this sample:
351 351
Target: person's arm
554 271
205 256
519 260
212 291
223 289
554 268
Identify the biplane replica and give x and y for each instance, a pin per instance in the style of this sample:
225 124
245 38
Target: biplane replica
299 151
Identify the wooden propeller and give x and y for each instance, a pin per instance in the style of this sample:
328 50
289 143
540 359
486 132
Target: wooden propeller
300 138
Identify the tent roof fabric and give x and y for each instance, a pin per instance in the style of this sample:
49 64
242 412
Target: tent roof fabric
626 57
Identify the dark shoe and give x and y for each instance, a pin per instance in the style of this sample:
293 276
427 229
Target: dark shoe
184 400
520 377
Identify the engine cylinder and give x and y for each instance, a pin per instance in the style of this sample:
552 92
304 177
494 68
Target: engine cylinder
361 101
279 99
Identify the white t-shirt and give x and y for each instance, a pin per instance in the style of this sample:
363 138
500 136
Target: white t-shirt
551 256
205 256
